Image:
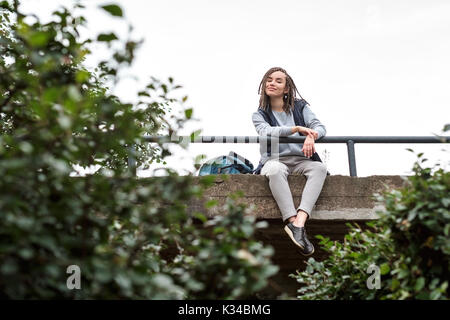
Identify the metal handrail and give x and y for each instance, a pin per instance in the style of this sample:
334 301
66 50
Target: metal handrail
349 140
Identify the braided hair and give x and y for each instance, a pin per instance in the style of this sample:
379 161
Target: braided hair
289 97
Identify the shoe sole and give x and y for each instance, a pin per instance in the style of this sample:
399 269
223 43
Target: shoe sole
291 235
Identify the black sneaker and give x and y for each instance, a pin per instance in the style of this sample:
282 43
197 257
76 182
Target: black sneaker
298 236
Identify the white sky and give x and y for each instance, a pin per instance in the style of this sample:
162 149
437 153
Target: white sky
366 67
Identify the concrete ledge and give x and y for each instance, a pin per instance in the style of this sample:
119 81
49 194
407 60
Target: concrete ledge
342 197
343 200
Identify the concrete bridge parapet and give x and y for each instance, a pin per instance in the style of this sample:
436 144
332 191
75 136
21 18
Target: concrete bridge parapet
343 200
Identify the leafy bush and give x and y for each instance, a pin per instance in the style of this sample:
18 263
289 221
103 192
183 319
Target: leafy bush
227 263
57 116
409 244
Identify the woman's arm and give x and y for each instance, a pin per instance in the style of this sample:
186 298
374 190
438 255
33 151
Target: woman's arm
312 122
264 129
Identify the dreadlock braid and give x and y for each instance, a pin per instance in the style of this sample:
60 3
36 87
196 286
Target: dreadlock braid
289 98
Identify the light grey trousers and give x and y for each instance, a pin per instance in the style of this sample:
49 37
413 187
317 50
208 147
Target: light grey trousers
277 172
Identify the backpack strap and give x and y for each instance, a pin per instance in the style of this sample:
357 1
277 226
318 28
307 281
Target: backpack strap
234 155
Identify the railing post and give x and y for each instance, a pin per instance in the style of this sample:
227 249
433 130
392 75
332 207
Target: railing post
132 160
351 157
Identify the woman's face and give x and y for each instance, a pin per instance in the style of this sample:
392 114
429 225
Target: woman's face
276 84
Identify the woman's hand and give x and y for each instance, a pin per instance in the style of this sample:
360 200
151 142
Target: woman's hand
308 132
308 146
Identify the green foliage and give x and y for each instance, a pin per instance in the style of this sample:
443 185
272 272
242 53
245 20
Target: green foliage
343 274
409 244
57 116
228 263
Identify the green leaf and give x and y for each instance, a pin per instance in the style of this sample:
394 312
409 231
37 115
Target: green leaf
411 215
446 202
447 229
435 294
194 135
188 113
113 9
219 230
143 94
211 203
319 236
5 5
39 39
200 216
106 37
355 255
420 283
400 207
207 180
82 76
384 269
446 127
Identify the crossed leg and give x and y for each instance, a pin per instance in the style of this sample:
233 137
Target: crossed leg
277 173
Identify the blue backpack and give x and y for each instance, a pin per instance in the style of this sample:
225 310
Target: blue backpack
230 164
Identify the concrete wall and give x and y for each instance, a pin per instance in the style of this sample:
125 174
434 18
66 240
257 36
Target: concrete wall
343 199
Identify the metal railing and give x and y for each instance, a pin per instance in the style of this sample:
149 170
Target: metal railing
348 140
